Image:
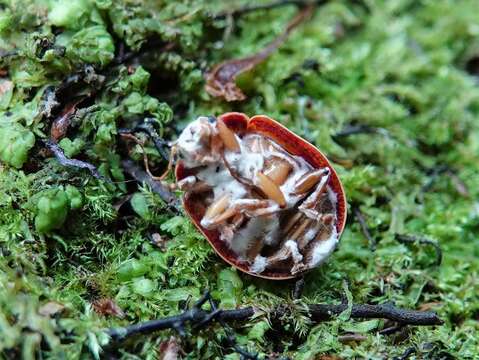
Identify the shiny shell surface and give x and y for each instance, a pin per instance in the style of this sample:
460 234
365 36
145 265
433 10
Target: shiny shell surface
198 204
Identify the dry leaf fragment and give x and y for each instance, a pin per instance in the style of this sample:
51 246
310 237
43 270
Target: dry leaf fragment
51 308
220 81
107 306
61 124
159 241
5 86
169 350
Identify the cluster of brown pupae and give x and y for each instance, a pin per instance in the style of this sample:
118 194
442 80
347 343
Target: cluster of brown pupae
268 201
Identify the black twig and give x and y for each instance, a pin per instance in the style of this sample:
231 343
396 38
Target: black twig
147 128
391 329
433 176
322 312
63 160
409 239
156 186
444 169
349 130
409 351
347 338
317 313
275 4
198 318
365 229
298 288
230 337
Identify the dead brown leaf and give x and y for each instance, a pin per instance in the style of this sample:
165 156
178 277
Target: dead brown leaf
353 337
459 185
220 81
60 124
107 306
170 349
5 86
430 305
51 308
159 241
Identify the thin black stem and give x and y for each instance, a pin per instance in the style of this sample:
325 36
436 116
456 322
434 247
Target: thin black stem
433 176
275 4
391 329
317 313
358 129
410 239
407 353
63 160
298 288
147 127
156 186
347 338
322 312
364 228
230 337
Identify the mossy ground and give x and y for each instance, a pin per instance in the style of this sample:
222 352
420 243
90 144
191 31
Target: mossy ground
404 68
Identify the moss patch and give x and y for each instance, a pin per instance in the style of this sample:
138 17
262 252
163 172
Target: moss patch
402 72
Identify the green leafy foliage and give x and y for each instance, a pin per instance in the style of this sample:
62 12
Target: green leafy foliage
15 143
403 70
93 45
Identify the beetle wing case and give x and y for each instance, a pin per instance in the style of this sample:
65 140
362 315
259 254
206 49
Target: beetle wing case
293 144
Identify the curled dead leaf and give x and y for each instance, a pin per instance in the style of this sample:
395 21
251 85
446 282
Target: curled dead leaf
107 306
51 308
220 81
159 241
170 349
61 124
5 86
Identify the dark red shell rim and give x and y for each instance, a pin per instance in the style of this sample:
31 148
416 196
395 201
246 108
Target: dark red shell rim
261 124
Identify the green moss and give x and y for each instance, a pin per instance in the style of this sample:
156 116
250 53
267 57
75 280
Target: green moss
15 142
397 67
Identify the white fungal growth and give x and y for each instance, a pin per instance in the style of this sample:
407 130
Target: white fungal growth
293 246
259 264
272 231
252 222
221 181
324 248
252 232
186 182
310 234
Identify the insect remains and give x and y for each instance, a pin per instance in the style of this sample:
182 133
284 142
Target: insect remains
267 201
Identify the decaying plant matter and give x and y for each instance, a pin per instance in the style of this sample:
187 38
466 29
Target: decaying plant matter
269 202
220 81
199 318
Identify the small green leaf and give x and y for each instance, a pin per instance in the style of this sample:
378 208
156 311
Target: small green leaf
180 294
139 203
258 330
361 327
346 314
144 287
15 142
92 45
229 288
131 269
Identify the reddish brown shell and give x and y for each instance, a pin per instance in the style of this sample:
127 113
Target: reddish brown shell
261 124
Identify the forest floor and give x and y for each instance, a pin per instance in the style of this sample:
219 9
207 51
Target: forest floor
388 90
